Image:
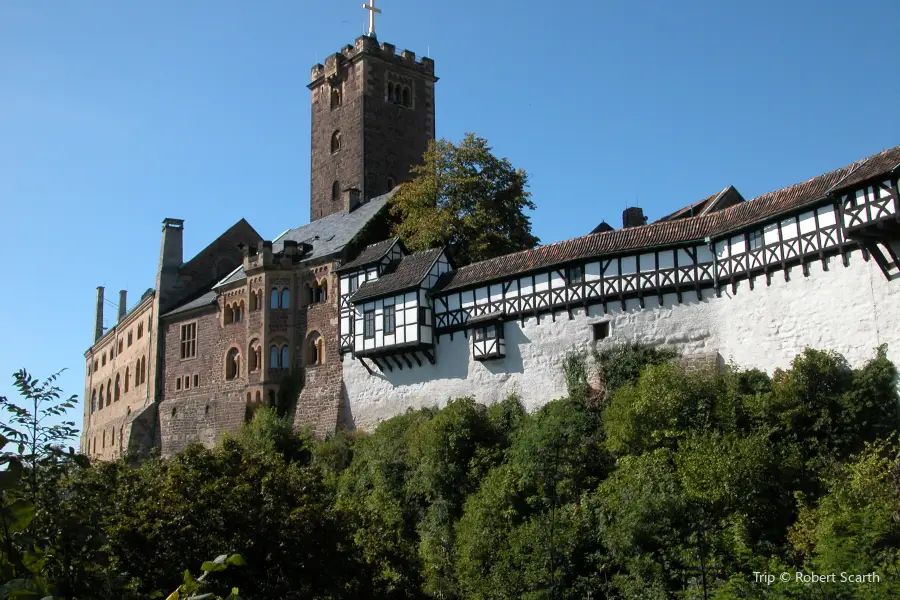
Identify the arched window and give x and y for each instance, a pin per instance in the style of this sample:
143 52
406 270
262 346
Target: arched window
314 349
117 388
143 370
103 362
232 364
285 298
127 374
258 396
336 98
398 97
228 314
335 191
274 357
312 293
285 357
335 141
405 96
249 398
121 345
252 300
94 401
273 298
108 392
140 330
391 92
101 396
322 294
237 312
129 339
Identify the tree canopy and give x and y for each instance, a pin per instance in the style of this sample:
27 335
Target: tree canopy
465 198
673 484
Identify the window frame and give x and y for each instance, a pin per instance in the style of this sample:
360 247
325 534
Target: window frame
369 324
601 330
188 352
575 275
389 317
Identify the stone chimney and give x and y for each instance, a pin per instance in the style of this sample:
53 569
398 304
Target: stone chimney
351 199
123 307
170 259
98 318
633 217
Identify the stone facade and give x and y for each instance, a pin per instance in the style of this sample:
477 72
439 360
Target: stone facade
381 136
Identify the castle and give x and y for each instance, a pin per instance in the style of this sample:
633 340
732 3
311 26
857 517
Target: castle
372 329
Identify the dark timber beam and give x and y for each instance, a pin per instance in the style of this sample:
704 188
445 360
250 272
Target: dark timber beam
368 368
429 356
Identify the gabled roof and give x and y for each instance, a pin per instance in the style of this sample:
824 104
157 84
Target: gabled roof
718 201
666 232
410 272
327 236
370 254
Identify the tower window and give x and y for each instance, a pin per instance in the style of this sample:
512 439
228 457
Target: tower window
335 191
336 96
232 364
406 96
335 141
274 357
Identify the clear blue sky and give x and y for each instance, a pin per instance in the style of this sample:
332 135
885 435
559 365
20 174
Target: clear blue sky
115 115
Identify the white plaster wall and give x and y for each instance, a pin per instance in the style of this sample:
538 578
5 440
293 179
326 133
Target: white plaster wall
847 309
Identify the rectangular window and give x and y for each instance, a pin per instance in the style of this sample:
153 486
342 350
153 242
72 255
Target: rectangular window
196 380
369 324
189 340
354 283
491 332
601 330
187 382
755 240
389 320
178 384
479 334
575 275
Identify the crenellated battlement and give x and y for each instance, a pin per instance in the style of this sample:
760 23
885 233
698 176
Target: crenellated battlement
369 45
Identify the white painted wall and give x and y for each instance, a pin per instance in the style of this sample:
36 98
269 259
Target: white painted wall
847 309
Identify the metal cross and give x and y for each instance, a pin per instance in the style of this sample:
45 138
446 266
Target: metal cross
372 10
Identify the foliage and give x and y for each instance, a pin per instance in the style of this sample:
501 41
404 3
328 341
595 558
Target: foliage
620 364
465 198
680 484
191 588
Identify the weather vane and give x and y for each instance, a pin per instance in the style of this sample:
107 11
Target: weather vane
372 10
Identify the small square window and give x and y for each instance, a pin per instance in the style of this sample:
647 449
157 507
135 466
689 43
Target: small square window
601 330
755 240
575 275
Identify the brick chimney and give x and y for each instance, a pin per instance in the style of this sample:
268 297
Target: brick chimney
351 199
123 294
633 217
98 318
170 259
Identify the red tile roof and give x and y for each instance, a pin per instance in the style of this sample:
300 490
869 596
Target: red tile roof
674 231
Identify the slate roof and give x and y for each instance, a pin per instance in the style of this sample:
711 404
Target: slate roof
328 235
690 229
207 299
370 254
410 272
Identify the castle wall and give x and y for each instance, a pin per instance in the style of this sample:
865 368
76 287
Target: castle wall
847 309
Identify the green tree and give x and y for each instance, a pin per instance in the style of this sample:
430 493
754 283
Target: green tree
465 198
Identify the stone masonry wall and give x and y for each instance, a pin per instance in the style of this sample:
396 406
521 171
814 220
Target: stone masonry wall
215 405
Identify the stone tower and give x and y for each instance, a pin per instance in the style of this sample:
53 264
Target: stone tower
372 119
